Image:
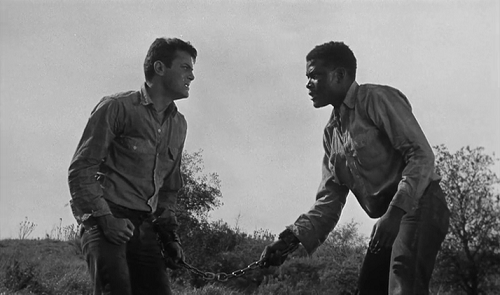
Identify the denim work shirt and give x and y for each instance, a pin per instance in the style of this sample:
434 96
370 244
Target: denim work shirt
127 156
375 148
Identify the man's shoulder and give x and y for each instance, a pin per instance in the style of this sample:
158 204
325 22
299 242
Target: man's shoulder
124 96
119 100
179 117
375 94
376 89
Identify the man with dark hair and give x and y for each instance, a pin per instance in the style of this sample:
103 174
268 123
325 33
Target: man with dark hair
125 175
374 148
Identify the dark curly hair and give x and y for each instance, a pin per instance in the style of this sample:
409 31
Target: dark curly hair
164 50
335 54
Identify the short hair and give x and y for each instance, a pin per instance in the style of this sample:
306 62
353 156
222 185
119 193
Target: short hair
335 54
164 50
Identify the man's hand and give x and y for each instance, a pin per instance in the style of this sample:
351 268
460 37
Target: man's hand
273 254
175 255
117 230
386 230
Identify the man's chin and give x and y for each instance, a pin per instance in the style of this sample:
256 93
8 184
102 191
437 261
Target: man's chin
182 96
318 104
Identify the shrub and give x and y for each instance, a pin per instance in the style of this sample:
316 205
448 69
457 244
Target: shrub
56 267
332 269
19 275
42 267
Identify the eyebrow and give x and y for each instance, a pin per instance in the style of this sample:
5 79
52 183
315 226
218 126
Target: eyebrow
188 65
310 72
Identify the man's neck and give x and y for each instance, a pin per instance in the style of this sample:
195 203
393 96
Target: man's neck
158 95
346 86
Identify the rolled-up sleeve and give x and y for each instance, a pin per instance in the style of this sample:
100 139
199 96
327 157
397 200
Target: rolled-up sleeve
92 149
312 228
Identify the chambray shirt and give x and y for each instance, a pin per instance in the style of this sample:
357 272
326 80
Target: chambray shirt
127 156
375 148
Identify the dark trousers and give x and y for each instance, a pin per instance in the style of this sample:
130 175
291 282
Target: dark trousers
407 267
134 268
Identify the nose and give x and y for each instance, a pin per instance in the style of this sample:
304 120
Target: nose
309 84
191 76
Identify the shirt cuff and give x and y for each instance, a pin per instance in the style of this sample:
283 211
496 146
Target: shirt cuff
101 207
403 201
309 243
82 210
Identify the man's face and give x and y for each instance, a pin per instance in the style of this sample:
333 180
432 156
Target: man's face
322 83
178 77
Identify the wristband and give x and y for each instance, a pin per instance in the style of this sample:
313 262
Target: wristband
288 237
167 236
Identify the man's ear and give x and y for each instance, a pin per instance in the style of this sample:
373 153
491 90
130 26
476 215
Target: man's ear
340 74
159 67
337 75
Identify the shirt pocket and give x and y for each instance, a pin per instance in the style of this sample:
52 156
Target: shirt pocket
366 148
360 142
172 153
137 145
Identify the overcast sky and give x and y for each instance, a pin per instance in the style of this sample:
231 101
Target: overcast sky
248 108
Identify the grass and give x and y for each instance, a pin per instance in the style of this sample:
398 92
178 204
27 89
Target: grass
42 267
53 267
56 267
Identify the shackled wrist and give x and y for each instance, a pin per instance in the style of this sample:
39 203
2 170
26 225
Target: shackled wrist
395 212
166 235
288 237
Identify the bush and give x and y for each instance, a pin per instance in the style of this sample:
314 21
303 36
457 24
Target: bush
19 275
333 269
57 267
218 248
42 267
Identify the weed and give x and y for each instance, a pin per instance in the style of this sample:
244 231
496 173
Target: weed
26 227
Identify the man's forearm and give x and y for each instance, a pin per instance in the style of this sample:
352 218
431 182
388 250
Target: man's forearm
83 209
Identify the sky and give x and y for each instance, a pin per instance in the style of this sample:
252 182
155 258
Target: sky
248 109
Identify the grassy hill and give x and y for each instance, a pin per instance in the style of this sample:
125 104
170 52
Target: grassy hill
51 266
42 267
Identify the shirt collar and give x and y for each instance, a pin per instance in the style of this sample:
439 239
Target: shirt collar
349 100
145 98
350 97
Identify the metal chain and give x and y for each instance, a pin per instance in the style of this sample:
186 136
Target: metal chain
223 277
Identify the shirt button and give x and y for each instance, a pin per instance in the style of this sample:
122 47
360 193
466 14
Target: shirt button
159 130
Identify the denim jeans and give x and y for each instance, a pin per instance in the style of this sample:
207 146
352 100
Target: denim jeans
407 267
134 268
